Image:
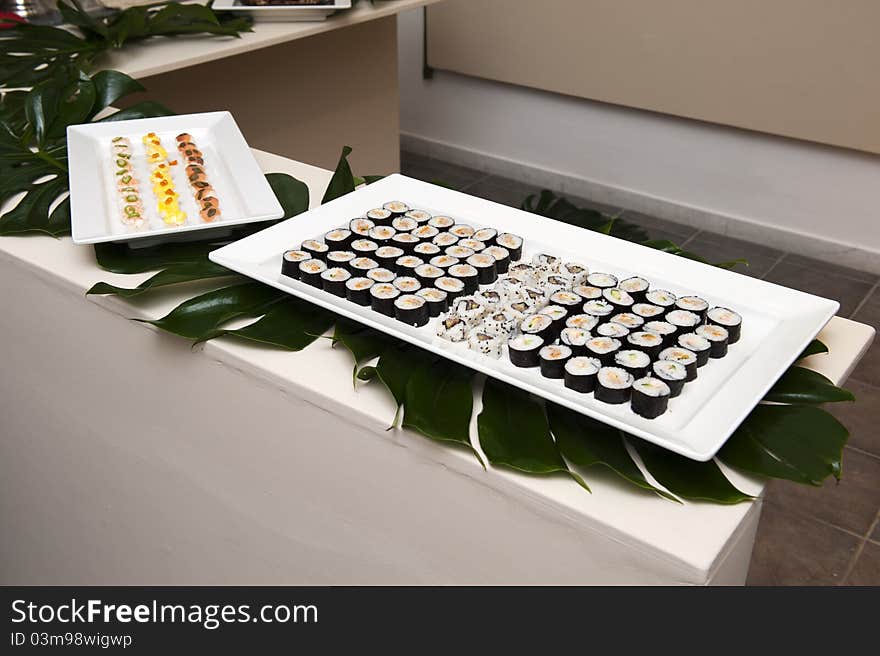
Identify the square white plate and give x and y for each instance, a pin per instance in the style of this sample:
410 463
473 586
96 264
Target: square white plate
239 184
778 322
281 13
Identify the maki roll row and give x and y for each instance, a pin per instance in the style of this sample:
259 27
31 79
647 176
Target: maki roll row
203 192
131 207
167 198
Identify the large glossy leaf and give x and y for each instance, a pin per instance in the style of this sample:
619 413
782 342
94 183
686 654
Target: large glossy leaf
31 215
813 348
110 86
120 258
342 181
172 275
689 479
395 366
800 386
514 432
586 442
204 314
552 206
145 109
798 443
362 342
293 194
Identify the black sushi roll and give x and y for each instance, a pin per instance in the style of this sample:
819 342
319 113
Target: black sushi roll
411 310
718 338
315 248
441 222
580 374
588 292
502 258
618 298
405 241
699 345
444 261
452 286
599 308
363 247
629 320
462 231
404 224
539 325
474 244
357 290
340 259
726 318
380 216
461 252
682 356
382 298
672 373
487 271
310 272
647 311
650 397
650 343
523 350
575 339
636 287
445 240
425 232
552 360
486 235
602 280
406 265
386 256
660 297
407 284
428 274
437 300
663 328
634 361
396 207
333 281
683 320
381 274
468 275
613 385
603 349
611 329
360 266
291 260
558 315
382 234
360 227
693 304
426 250
568 300
513 244
582 321
339 239
421 216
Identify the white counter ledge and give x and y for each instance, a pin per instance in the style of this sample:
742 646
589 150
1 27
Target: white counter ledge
130 458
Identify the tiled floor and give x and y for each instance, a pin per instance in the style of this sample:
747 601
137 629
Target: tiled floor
817 536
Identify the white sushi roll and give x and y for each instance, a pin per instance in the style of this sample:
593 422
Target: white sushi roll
490 299
535 296
484 343
511 290
556 283
576 272
451 327
524 273
499 323
546 263
520 309
469 310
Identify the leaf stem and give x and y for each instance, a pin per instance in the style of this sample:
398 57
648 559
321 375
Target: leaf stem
46 157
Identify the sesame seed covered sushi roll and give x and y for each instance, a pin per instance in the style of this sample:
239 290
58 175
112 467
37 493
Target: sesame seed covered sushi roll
726 318
613 385
672 373
577 273
499 323
523 350
552 360
544 263
291 260
452 328
718 339
520 309
650 397
357 290
483 342
469 310
581 373
683 356
489 299
699 345
524 273
382 297
556 283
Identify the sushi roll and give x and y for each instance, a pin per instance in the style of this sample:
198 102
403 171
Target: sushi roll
552 360
381 274
382 234
425 232
588 292
452 286
437 300
357 290
364 247
726 318
513 244
380 216
602 280
420 216
575 339
647 311
386 256
511 290
650 343
404 224
451 327
396 208
611 329
663 328
486 235
523 350
484 343
502 257
467 274
426 250
683 320
629 320
693 304
660 297
461 252
499 323
360 227
340 259
411 310
442 222
333 281
310 272
540 325
535 296
634 361
699 345
718 339
315 248
445 240
636 287
382 297
600 308
428 274
444 261
469 310
650 397
487 273
568 300
406 241
684 357
462 231
581 373
407 265
577 273
523 273
489 299
291 260
672 373
544 263
618 298
520 309
407 284
557 315
474 244
603 348
339 239
361 265
613 385
556 283
582 321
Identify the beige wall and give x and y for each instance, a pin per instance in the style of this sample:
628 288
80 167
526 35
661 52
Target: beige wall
800 68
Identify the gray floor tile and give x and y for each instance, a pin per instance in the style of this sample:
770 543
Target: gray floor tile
657 228
850 504
855 274
868 370
862 418
720 248
848 291
432 170
792 550
502 190
867 567
586 203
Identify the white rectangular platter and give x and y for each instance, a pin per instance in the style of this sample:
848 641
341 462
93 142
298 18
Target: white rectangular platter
778 322
283 13
238 181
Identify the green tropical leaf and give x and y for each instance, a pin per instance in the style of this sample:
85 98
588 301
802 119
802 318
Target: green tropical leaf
144 109
801 386
395 366
342 181
362 342
586 442
514 432
110 86
31 215
120 258
172 275
293 194
813 348
803 444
